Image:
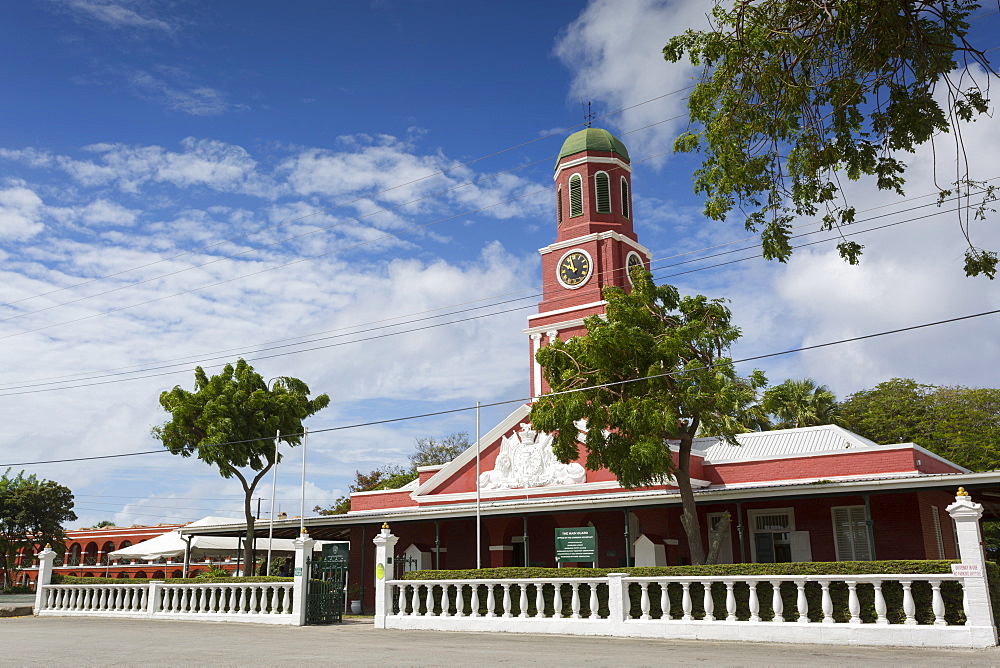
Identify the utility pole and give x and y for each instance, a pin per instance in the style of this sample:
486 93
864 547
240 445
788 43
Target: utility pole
258 507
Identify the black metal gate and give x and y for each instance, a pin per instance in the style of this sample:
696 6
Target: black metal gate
325 590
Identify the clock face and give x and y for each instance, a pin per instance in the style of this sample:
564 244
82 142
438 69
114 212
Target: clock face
574 269
633 260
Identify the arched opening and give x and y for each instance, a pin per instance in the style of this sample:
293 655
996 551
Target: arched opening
625 200
602 192
88 575
108 547
177 574
139 574
158 575
575 196
90 554
122 575
75 554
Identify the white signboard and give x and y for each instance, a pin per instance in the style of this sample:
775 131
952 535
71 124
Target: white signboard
967 570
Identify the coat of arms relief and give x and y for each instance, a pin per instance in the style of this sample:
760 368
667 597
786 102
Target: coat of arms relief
526 460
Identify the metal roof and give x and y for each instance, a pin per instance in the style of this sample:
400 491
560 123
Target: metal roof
592 139
783 442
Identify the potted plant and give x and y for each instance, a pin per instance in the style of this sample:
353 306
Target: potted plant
354 596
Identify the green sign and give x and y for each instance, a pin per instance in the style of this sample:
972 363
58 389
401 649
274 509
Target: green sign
336 552
576 544
298 571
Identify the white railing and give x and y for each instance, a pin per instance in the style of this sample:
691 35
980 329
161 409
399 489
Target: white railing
864 609
260 602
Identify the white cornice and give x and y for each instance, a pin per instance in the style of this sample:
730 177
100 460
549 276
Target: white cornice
558 326
602 160
568 309
597 236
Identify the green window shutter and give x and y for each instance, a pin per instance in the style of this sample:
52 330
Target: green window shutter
559 213
624 197
602 188
575 196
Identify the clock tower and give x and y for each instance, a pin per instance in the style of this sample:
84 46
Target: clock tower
595 244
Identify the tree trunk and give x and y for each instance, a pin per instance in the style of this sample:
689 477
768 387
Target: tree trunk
689 512
249 544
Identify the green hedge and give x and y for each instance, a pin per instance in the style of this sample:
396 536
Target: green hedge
893 592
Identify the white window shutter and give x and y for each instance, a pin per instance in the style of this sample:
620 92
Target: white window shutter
801 546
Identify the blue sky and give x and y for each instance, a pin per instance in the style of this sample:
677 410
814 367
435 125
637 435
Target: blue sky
182 183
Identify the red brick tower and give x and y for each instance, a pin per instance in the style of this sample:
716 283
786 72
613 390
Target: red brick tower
595 243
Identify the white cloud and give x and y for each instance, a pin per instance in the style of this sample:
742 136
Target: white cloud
614 53
180 94
20 213
116 15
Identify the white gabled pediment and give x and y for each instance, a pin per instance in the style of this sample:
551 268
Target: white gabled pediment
455 466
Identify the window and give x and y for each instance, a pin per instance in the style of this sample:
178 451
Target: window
602 190
773 538
850 534
559 206
624 197
575 196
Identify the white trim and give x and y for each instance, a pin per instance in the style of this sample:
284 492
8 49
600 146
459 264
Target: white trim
583 207
628 271
501 548
565 324
568 309
611 208
590 269
536 344
597 236
753 514
618 162
525 493
625 197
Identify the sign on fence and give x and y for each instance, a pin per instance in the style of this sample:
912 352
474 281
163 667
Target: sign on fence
336 553
576 544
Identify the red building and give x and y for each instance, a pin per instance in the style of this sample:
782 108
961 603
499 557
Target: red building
812 494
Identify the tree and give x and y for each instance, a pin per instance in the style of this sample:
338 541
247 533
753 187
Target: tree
959 423
32 513
104 523
230 421
796 94
645 380
800 403
429 451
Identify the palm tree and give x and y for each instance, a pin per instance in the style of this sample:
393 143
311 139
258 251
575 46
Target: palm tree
801 403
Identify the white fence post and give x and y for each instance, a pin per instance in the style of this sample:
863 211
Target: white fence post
978 610
46 559
300 587
618 602
154 596
385 544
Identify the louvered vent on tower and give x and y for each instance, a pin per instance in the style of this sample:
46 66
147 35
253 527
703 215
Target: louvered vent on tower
602 188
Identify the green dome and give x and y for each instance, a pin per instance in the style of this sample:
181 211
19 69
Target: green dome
592 139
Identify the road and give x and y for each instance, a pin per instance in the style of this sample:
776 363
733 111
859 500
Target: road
65 641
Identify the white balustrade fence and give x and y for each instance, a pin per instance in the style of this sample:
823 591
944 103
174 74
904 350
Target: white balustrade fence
944 610
257 602
260 602
868 609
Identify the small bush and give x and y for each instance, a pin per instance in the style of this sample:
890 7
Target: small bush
17 589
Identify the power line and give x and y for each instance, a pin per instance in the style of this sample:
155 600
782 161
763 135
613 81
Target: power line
331 208
525 399
37 387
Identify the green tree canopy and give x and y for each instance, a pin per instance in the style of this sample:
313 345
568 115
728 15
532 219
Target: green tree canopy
32 513
230 421
800 403
645 380
796 95
959 423
431 451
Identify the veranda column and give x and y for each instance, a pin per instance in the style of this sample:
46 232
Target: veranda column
385 544
46 558
300 582
979 613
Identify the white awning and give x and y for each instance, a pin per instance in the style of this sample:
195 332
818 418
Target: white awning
170 544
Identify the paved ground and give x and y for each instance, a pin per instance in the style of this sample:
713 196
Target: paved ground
15 605
60 641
